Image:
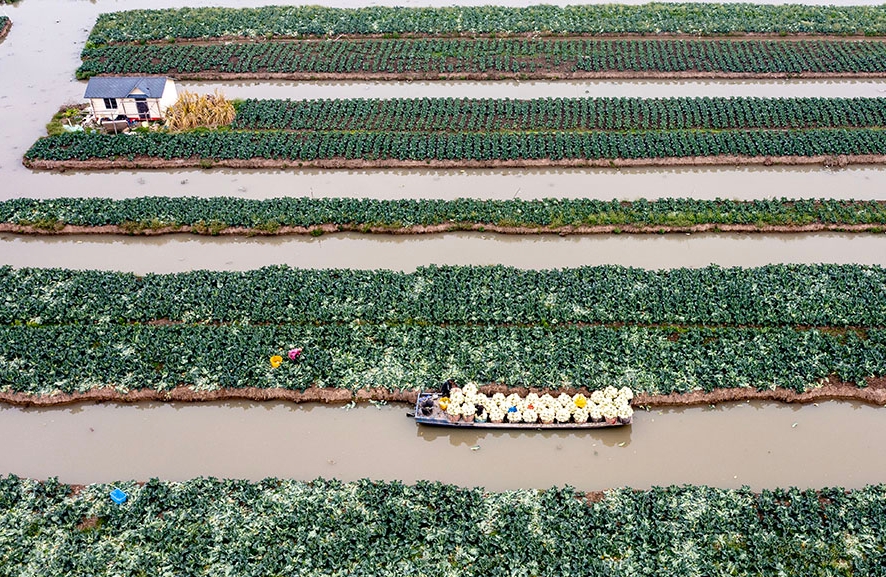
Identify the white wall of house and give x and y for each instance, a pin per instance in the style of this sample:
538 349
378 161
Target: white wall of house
170 96
125 106
156 106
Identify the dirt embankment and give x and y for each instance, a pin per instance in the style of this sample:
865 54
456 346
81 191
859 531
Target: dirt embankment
874 393
316 230
143 162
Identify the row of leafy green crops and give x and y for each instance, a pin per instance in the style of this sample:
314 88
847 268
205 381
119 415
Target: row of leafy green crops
484 115
538 57
367 329
328 527
689 18
51 359
424 146
824 295
153 213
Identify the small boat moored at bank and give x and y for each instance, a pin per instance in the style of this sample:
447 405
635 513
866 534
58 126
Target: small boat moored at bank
468 407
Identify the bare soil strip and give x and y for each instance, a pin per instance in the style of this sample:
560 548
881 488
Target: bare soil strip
874 393
142 162
315 230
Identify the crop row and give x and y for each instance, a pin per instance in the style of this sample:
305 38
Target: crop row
477 115
209 215
327 527
775 295
689 18
47 360
539 58
459 147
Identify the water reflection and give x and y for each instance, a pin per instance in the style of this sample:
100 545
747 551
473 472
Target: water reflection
610 437
770 445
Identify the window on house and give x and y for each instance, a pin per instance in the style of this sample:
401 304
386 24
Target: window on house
110 103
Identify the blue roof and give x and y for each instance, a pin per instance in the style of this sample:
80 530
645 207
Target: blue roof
123 86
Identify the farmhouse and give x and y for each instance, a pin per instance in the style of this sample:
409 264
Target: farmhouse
135 97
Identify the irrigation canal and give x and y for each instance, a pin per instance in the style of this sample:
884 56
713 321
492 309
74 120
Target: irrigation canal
183 252
760 445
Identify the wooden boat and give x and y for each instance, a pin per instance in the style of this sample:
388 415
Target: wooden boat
428 412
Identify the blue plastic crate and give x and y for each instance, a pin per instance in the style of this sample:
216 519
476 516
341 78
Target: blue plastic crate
118 496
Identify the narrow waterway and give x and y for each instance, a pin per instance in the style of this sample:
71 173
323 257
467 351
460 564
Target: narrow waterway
549 89
760 445
176 253
741 183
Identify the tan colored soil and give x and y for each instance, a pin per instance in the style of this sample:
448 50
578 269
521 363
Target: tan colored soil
442 228
142 162
874 393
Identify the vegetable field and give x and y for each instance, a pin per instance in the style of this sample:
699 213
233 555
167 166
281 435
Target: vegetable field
327 527
454 149
678 18
489 131
436 58
776 295
659 332
408 357
212 215
560 114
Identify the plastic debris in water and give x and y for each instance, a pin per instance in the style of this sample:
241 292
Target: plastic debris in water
475 448
118 496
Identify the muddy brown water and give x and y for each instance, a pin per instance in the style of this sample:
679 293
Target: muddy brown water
741 183
39 58
175 253
760 445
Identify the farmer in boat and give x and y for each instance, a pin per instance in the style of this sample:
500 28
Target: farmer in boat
447 387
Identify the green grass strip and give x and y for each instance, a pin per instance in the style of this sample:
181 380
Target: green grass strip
460 147
208 215
826 295
689 18
208 526
46 360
